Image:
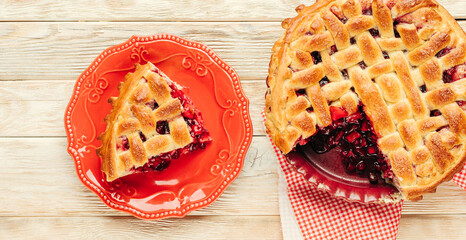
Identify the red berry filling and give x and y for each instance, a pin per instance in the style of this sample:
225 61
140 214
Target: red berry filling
356 141
397 34
142 136
122 143
367 11
300 92
316 58
362 64
194 121
385 55
323 81
454 74
162 127
344 72
337 113
462 104
152 104
423 88
435 113
444 52
333 49
374 32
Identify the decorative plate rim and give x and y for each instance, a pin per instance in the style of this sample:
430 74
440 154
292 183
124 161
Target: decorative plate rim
238 91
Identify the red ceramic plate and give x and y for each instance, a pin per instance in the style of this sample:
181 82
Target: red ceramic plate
190 182
326 172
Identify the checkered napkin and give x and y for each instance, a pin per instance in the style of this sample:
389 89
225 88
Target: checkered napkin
460 178
309 213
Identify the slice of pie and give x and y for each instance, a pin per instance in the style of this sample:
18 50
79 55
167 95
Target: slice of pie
152 122
384 80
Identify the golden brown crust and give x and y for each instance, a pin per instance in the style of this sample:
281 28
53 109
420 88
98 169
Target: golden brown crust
383 18
376 108
409 36
385 71
131 116
431 73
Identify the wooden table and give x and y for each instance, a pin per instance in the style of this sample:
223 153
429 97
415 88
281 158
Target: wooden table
46 44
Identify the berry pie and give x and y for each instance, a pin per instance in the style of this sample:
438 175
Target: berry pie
152 122
382 80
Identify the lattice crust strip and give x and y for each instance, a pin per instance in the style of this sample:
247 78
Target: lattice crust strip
143 103
403 60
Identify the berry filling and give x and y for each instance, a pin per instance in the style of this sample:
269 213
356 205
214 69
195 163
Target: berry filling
300 92
454 74
367 11
356 142
197 131
122 143
323 81
344 72
423 88
385 55
397 34
362 64
462 104
316 58
374 32
142 136
443 52
333 49
162 127
435 113
152 104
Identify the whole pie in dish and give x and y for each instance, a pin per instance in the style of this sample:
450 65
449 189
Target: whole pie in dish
382 80
152 122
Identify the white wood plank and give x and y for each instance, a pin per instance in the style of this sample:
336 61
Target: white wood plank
32 167
201 227
38 178
212 227
184 10
36 108
61 51
432 227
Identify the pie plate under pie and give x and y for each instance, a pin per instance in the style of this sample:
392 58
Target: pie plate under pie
326 173
194 180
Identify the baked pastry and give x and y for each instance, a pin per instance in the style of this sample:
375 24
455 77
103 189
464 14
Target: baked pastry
152 121
383 80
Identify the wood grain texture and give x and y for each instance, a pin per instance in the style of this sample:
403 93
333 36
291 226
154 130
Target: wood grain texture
62 51
201 227
432 227
39 179
32 167
37 108
186 10
44 47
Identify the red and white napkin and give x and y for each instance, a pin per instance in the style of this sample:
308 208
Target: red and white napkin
309 213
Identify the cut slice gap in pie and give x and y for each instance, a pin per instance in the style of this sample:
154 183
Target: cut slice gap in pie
151 123
383 80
